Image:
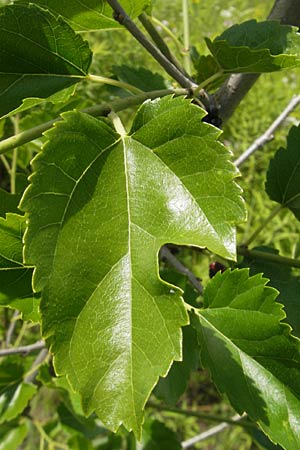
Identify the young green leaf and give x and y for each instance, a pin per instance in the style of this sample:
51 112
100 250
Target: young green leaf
14 435
14 400
283 176
282 278
15 277
97 219
251 354
39 55
256 47
208 71
90 15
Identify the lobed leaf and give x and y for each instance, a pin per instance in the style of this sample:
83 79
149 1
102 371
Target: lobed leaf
91 15
97 219
39 55
256 47
251 354
283 176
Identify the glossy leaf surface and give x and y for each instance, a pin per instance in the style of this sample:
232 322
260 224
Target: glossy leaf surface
256 47
97 219
283 177
39 56
91 15
251 354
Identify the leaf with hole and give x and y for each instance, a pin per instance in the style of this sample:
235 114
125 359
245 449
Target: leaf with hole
97 219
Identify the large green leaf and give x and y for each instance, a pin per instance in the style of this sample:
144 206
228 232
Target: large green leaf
251 354
39 55
100 207
15 277
256 47
91 15
283 177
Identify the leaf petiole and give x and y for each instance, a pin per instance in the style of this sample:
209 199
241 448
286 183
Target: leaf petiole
113 82
119 127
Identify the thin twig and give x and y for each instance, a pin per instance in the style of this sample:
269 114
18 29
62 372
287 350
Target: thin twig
211 432
159 41
32 373
186 36
97 110
14 162
24 349
5 163
169 32
268 134
168 255
199 415
11 328
122 17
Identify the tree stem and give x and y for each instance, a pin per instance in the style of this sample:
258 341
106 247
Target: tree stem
121 16
13 170
159 41
168 255
186 36
24 349
268 134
